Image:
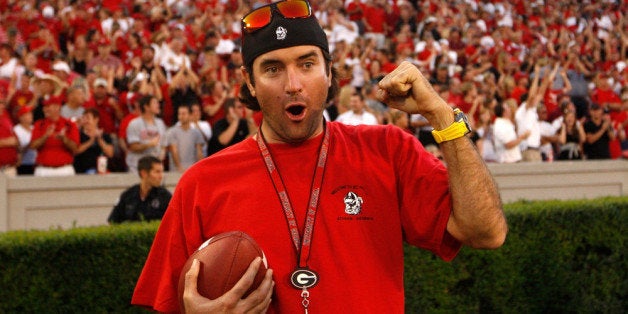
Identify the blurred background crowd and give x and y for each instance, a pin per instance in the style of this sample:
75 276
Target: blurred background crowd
91 86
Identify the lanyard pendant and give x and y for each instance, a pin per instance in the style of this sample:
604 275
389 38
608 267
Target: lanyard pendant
303 278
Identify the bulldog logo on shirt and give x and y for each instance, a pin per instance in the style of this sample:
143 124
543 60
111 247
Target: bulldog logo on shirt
353 203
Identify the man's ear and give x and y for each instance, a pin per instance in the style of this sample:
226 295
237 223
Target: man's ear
329 76
247 79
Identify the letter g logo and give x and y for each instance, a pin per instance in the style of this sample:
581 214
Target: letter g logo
303 278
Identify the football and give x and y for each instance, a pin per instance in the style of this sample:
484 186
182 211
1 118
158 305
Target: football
224 258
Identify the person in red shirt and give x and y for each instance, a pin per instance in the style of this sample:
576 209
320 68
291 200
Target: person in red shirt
297 161
375 21
108 107
44 45
22 96
8 141
55 139
213 100
522 81
604 95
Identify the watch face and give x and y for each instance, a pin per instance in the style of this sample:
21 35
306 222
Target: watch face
460 116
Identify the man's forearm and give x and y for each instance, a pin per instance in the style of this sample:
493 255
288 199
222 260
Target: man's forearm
36 143
477 218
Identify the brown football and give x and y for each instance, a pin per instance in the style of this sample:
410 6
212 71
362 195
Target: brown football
224 259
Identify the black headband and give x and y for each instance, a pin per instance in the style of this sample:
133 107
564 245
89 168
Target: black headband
283 33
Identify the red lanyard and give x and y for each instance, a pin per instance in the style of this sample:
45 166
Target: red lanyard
302 247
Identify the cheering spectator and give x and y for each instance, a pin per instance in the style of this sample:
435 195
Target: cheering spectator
23 130
8 141
572 136
599 133
94 143
56 139
23 96
234 128
505 137
107 106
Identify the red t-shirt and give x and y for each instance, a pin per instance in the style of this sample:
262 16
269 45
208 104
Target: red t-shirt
8 155
604 96
376 18
53 153
405 196
107 114
208 100
551 103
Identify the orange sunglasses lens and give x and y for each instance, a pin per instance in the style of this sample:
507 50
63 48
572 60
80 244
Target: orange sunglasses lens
261 17
257 19
294 9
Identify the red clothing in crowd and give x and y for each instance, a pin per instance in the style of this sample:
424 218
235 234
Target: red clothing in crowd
375 18
551 103
20 99
53 153
8 155
124 124
107 113
207 101
604 96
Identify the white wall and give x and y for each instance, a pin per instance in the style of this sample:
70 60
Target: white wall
86 200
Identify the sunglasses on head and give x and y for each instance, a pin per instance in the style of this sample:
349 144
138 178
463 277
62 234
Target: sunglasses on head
262 16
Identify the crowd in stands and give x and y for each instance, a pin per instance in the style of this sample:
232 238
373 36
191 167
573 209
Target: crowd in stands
80 79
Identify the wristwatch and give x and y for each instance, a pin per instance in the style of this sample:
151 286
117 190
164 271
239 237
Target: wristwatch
459 128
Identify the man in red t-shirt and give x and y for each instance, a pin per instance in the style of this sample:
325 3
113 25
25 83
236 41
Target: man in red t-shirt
107 106
22 96
298 189
55 139
8 141
375 22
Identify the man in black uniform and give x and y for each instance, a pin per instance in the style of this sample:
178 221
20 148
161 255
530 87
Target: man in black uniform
147 200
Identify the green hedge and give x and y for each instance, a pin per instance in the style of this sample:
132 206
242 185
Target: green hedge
560 257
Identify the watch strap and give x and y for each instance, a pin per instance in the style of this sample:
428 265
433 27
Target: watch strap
457 129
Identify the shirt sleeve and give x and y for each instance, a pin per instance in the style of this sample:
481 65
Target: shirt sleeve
73 133
425 199
132 133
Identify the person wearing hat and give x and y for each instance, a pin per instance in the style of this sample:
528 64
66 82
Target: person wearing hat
317 195
56 139
8 141
62 71
24 130
107 105
22 96
46 86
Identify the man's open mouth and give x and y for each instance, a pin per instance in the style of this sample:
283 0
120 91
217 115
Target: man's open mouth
295 110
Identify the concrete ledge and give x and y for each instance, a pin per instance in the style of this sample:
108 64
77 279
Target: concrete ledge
86 200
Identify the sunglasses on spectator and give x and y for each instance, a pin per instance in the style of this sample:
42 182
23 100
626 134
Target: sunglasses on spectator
262 16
